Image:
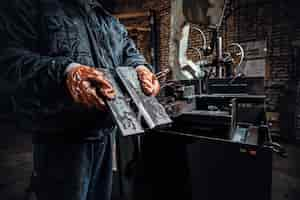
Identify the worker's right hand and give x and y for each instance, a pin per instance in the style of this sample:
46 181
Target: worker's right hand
88 86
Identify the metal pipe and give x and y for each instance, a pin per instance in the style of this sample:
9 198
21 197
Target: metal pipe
241 50
203 37
222 15
220 48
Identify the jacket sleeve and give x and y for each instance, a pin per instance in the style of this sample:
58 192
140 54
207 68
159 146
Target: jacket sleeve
131 55
21 63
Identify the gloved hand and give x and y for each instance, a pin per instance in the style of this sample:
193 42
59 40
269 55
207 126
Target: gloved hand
89 87
148 80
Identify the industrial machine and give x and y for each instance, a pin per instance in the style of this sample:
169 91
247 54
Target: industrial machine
219 145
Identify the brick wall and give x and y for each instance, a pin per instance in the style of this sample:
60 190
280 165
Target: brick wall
162 9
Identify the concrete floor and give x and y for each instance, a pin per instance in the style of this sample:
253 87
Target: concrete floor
16 165
286 175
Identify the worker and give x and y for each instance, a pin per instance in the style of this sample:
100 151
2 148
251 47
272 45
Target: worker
51 56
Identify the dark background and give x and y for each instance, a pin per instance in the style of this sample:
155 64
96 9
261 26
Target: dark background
276 21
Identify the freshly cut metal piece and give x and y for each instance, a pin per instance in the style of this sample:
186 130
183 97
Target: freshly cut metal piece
126 119
148 107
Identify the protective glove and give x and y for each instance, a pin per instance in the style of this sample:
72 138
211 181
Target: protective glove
89 87
148 80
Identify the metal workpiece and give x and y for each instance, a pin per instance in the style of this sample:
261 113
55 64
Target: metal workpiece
124 116
133 111
148 107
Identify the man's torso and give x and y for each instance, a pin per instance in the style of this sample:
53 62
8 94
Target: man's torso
88 36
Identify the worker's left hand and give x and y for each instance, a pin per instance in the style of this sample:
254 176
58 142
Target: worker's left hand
148 80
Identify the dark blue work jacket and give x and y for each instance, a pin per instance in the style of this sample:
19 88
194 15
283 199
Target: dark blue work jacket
38 40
